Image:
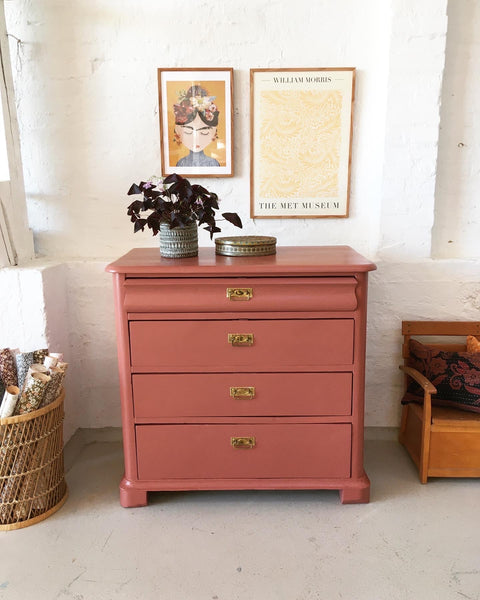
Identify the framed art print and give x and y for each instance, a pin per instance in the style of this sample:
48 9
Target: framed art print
300 142
196 124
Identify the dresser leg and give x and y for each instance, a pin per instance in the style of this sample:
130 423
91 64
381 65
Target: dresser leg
356 493
130 497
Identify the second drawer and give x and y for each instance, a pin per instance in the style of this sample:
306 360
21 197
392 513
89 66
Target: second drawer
260 345
246 394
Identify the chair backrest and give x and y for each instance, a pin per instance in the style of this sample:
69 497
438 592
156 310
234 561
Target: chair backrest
436 329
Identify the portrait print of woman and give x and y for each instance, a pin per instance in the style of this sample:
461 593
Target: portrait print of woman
196 124
196 121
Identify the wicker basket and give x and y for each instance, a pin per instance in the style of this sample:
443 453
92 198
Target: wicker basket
32 476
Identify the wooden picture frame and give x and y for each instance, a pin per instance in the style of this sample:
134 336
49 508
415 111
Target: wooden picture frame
300 142
196 121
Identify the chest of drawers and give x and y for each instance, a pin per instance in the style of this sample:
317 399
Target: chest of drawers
242 372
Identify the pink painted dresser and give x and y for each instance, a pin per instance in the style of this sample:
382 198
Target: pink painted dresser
242 372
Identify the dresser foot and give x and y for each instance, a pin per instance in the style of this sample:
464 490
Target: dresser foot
131 497
356 493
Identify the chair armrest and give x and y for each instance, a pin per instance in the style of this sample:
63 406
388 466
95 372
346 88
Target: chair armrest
422 381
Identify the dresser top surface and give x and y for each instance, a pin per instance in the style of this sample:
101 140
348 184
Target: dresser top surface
289 260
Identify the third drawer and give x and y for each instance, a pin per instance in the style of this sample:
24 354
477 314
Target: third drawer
242 394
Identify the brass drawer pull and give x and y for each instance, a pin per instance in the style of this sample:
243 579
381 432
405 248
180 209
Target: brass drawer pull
239 293
243 442
242 393
240 339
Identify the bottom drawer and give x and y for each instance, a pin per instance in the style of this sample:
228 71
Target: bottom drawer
279 450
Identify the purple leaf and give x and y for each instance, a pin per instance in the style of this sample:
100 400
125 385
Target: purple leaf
140 224
233 218
212 229
173 178
135 207
134 189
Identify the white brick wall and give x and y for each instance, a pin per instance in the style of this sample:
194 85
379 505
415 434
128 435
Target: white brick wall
85 75
457 215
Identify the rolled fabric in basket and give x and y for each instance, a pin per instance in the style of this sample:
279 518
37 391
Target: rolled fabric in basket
32 481
39 355
53 388
9 401
35 368
23 361
62 365
8 368
50 361
57 355
33 393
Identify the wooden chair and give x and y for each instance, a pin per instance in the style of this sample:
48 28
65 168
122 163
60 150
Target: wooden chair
443 442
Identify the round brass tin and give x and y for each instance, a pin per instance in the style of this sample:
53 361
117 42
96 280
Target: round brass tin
246 245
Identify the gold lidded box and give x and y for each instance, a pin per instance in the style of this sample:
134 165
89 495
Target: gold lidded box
246 245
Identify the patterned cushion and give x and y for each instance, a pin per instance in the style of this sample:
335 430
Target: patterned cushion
473 345
456 375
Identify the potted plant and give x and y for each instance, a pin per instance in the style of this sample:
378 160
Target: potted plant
176 208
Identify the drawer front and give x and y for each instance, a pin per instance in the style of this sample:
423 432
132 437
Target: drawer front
241 295
182 346
280 450
248 394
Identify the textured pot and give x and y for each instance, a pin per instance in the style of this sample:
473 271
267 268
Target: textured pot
178 242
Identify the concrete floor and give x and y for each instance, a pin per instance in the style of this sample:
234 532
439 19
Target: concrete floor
412 542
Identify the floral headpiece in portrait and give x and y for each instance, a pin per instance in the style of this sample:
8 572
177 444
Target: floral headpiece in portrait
195 101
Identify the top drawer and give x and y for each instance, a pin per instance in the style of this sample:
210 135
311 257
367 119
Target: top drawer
241 295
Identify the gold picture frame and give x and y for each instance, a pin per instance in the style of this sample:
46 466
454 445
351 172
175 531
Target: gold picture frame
196 121
300 142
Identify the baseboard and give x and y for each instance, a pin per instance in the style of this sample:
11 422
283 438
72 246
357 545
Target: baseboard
84 437
389 434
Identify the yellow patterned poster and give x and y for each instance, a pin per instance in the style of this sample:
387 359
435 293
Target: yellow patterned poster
301 142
